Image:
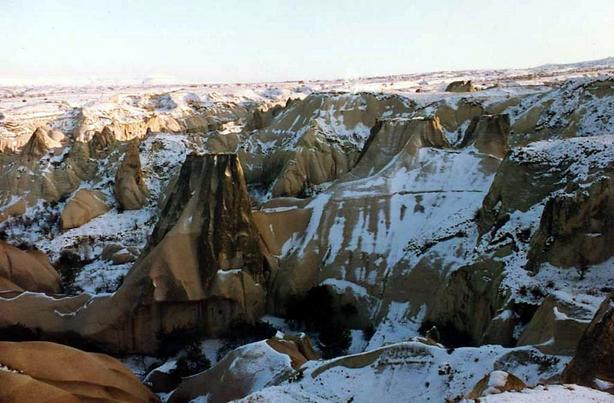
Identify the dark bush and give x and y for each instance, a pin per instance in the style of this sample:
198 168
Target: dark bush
171 343
450 335
334 340
191 362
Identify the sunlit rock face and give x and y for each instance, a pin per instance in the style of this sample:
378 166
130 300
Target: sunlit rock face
477 219
60 373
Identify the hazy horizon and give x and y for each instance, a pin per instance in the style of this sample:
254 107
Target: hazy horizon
272 40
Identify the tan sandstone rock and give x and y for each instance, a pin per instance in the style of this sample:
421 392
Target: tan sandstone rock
594 360
276 360
129 187
37 371
496 382
557 325
85 205
27 271
461 86
204 268
489 134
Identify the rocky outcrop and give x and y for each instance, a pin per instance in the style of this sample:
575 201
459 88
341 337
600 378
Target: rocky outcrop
529 175
496 382
331 123
316 159
205 231
31 371
461 86
129 186
556 326
204 268
390 137
16 209
101 142
276 360
36 147
489 134
466 304
593 364
262 118
26 271
576 228
453 119
85 205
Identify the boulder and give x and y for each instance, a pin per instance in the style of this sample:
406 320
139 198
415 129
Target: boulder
496 382
85 205
16 209
129 187
26 271
461 86
275 360
31 371
593 364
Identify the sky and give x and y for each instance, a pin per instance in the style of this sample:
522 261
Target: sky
275 40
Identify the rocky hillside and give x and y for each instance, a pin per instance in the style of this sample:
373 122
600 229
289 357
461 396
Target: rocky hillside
425 237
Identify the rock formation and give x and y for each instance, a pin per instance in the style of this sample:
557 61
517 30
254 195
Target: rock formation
489 134
36 147
461 86
204 269
390 137
576 228
129 186
557 325
593 364
31 371
315 160
496 382
101 141
26 271
85 205
276 360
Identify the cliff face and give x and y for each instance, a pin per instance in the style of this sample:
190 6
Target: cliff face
594 360
204 269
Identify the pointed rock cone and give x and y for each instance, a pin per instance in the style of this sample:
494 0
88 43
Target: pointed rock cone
130 188
101 141
83 207
205 229
36 146
204 268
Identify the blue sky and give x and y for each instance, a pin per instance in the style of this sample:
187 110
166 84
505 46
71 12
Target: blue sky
267 40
